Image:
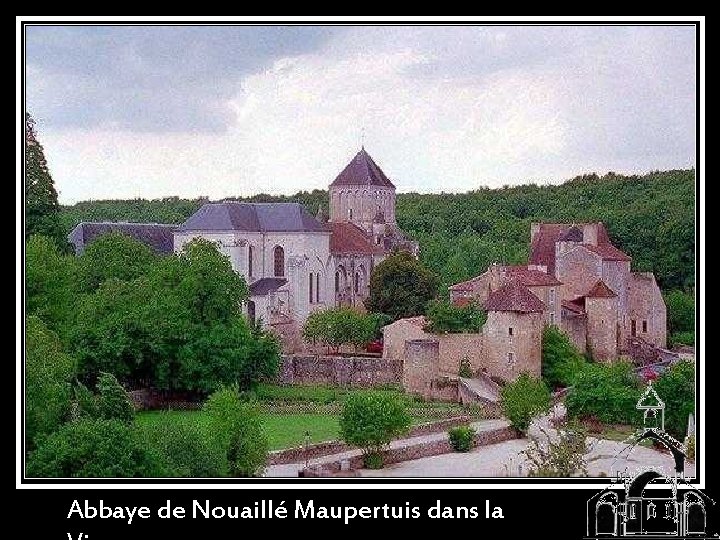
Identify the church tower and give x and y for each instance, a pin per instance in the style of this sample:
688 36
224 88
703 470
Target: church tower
361 192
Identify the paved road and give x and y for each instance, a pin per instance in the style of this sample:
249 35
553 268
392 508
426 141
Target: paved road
504 459
291 469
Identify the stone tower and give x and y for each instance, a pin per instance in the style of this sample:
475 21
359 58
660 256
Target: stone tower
360 192
602 323
513 332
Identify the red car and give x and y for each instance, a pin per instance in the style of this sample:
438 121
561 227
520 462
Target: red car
375 346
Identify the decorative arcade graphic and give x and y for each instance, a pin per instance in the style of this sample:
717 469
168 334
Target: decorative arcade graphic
649 504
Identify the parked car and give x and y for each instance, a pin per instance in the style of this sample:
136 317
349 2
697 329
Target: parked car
375 346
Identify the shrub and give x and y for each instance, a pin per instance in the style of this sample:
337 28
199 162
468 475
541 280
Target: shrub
113 401
374 460
683 338
186 449
561 361
563 457
48 371
608 392
676 387
465 368
446 318
85 403
523 400
237 427
462 438
370 420
94 449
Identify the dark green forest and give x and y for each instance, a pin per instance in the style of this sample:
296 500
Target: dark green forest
650 217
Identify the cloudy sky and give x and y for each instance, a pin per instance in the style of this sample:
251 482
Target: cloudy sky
224 111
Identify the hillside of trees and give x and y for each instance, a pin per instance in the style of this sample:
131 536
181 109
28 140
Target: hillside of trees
651 217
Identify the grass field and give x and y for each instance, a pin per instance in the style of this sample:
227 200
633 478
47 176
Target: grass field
282 430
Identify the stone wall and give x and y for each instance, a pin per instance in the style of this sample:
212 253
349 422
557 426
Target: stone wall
602 328
312 451
575 326
409 452
646 304
341 371
513 344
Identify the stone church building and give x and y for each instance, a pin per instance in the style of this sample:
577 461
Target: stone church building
294 263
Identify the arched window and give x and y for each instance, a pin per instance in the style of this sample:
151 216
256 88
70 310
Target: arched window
250 261
357 281
337 282
279 261
317 287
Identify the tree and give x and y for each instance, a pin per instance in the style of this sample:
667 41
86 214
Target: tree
446 318
237 427
524 399
187 450
676 387
401 286
370 420
607 392
114 402
341 325
49 283
94 449
680 316
561 361
42 212
48 372
113 255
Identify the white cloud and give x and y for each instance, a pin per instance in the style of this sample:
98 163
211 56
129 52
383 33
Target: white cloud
435 116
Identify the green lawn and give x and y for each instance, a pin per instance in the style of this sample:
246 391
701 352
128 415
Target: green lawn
282 430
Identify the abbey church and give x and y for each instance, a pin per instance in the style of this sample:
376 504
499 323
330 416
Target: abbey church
293 262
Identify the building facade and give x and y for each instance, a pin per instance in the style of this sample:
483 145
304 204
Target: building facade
587 288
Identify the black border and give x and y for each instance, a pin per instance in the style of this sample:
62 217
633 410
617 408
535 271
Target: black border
458 481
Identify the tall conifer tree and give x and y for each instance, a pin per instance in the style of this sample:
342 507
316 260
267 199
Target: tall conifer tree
42 211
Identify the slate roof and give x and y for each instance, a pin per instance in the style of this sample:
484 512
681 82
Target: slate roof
157 236
514 297
362 171
266 285
348 238
600 290
253 217
576 306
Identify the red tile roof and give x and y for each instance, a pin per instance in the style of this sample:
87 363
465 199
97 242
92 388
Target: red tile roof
348 238
542 247
514 297
600 290
576 306
522 275
464 285
608 252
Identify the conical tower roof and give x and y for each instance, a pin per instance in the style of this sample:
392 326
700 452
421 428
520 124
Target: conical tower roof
362 171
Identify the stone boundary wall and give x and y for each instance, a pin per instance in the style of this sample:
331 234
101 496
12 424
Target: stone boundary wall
326 448
407 453
357 371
